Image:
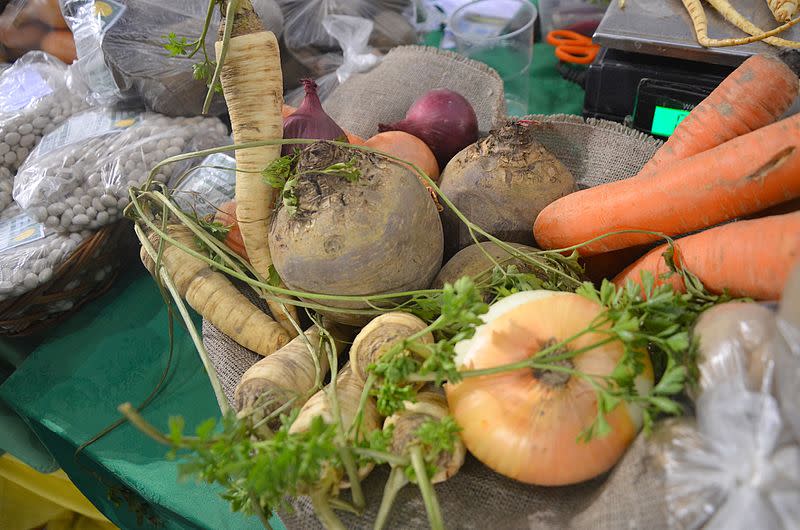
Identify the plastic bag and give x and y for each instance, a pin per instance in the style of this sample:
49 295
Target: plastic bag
735 468
79 175
307 39
352 34
30 253
207 186
786 350
121 52
36 95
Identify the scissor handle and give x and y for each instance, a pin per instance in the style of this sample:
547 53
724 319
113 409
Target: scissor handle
560 37
576 54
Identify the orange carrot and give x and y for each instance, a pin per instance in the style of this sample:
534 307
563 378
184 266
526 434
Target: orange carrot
737 178
227 216
756 94
288 110
748 258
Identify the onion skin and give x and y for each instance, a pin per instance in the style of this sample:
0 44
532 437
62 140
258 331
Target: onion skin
441 118
525 425
309 121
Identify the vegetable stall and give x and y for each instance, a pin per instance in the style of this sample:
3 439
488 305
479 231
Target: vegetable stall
390 304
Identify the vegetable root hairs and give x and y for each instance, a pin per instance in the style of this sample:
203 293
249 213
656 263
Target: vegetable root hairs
734 17
698 16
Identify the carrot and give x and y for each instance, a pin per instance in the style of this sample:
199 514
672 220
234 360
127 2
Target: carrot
213 296
288 110
226 215
407 147
739 177
748 258
756 94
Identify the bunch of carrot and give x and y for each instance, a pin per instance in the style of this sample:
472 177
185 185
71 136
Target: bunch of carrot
728 162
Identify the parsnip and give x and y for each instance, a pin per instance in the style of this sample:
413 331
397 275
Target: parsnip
730 13
291 373
252 83
783 10
698 17
213 296
379 335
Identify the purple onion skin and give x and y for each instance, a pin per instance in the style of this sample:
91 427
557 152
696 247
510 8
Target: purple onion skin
443 119
310 122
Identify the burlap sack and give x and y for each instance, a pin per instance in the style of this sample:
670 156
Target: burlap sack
384 94
630 497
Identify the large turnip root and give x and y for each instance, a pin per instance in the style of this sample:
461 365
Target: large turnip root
501 183
378 234
472 261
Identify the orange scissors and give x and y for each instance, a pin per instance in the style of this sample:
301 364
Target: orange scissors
572 47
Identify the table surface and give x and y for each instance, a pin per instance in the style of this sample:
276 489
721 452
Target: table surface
115 350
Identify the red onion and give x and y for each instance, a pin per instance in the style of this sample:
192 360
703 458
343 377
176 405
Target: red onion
443 119
309 121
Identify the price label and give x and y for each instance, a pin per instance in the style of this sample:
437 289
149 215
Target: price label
19 230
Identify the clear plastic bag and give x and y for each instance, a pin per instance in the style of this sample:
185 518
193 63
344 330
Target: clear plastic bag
207 186
786 350
37 94
352 34
121 51
735 468
79 175
30 253
307 39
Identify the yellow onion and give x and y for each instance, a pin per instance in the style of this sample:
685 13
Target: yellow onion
525 424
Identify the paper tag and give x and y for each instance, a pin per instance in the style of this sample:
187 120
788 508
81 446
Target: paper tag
84 126
109 11
21 87
206 189
19 230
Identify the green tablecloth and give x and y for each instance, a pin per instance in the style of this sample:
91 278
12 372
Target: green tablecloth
114 351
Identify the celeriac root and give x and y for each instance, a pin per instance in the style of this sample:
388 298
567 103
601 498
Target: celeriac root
214 297
289 374
379 335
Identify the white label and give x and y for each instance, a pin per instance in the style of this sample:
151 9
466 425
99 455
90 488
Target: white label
84 126
21 87
19 230
209 187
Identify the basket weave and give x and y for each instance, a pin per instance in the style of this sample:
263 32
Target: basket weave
75 282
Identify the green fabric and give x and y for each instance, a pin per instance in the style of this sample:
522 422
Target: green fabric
114 351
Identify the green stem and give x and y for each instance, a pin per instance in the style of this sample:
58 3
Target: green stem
256 505
323 510
380 456
222 401
426 488
138 421
352 474
362 403
230 15
396 481
344 506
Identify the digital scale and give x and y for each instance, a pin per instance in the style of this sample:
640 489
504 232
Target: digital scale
651 72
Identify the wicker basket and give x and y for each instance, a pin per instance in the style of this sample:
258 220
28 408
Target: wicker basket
88 273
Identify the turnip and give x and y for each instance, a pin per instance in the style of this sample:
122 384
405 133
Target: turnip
368 227
474 261
501 183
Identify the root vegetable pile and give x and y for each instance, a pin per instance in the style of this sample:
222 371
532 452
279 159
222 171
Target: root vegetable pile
376 354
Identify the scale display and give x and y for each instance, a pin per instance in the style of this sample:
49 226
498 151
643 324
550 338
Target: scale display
666 119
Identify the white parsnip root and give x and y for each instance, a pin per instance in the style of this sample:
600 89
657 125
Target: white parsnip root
288 377
783 10
252 82
379 335
214 297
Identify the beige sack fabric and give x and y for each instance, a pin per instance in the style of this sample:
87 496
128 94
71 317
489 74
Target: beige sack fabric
630 497
384 94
